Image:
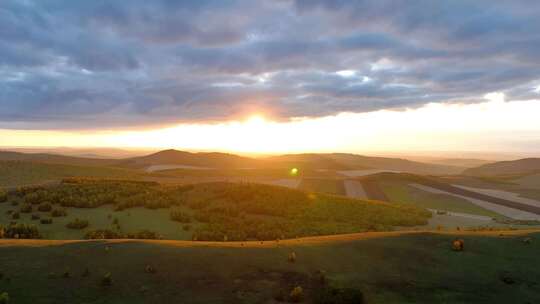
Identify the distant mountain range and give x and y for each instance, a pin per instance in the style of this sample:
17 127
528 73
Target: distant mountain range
331 161
521 166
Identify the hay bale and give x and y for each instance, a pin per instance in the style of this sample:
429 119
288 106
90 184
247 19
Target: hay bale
296 295
149 269
458 245
292 257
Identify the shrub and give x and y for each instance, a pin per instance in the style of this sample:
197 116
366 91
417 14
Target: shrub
3 196
144 235
66 274
149 269
22 231
58 213
106 280
45 207
179 216
296 295
26 208
339 296
77 224
15 216
31 198
101 234
35 217
4 298
86 272
46 221
14 203
186 227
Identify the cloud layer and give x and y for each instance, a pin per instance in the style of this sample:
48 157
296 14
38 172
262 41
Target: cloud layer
100 64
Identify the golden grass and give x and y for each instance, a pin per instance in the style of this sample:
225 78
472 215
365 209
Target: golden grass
315 240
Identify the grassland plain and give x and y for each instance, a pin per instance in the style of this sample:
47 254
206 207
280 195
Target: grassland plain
17 173
131 221
393 267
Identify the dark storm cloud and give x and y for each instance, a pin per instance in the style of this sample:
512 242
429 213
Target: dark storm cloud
100 64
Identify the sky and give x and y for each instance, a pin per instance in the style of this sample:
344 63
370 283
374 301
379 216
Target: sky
271 76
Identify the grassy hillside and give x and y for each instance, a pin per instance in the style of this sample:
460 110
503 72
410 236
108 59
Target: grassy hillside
344 161
395 164
411 268
521 166
175 157
309 161
55 159
214 211
17 173
251 172
330 186
214 160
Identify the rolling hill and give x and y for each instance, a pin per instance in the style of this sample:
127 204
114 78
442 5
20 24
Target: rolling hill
346 161
216 160
55 159
520 166
206 160
396 164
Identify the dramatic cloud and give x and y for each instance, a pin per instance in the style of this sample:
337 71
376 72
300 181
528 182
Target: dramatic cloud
101 64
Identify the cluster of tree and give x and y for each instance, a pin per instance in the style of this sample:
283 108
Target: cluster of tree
46 221
20 231
89 193
320 215
45 207
3 196
179 216
58 212
25 208
77 224
103 234
230 211
261 199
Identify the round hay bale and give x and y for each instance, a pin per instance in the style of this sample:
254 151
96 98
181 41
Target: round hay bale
458 245
292 257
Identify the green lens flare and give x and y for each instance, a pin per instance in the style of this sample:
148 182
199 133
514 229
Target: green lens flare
294 171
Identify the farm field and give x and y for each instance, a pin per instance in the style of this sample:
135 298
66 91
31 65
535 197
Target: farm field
504 194
354 188
491 269
509 212
401 192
